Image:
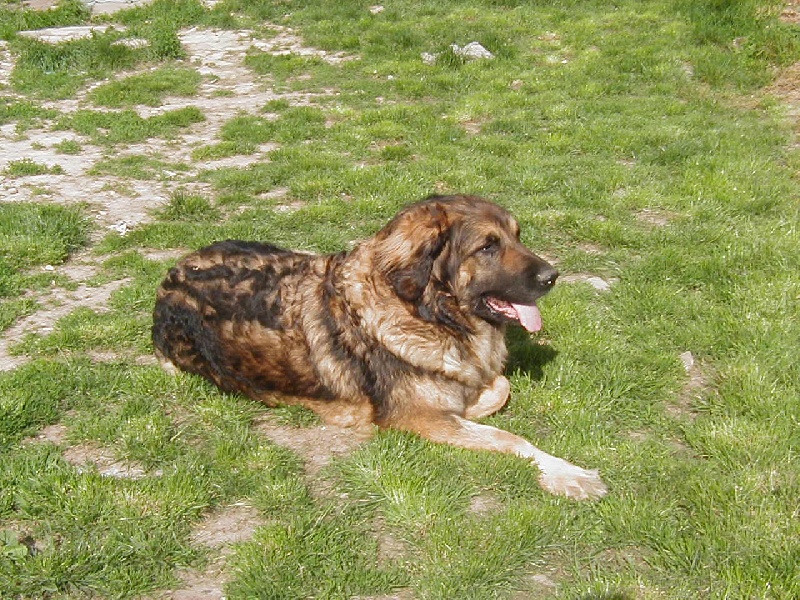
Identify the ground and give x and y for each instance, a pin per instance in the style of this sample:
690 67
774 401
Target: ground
230 91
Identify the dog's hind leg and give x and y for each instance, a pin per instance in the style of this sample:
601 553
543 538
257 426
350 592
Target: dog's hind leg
557 475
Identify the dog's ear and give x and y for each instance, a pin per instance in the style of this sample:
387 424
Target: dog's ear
409 247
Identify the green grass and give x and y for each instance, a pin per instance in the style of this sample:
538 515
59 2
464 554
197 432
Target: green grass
71 147
26 167
38 234
148 88
24 114
127 127
137 166
34 235
57 71
633 142
14 17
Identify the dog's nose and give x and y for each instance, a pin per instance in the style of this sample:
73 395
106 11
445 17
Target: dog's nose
547 277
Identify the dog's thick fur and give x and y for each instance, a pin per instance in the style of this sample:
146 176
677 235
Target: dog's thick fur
405 331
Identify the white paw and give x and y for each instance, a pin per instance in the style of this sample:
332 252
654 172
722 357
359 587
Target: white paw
561 477
168 366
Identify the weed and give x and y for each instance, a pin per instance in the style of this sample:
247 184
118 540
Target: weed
137 167
25 167
127 126
72 147
148 88
188 207
16 18
40 234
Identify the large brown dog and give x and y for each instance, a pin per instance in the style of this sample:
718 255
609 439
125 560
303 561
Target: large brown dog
405 331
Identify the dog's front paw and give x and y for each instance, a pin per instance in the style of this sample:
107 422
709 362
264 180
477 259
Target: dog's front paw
561 477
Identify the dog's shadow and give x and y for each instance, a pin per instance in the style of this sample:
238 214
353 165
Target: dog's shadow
527 356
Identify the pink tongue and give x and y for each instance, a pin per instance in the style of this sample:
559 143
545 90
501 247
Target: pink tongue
529 316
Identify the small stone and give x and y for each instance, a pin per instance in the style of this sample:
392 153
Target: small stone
544 581
120 227
132 43
428 58
601 285
687 358
472 51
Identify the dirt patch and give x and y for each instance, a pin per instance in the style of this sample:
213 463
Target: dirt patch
231 525
655 217
590 248
472 126
317 446
218 531
399 595
57 35
391 548
485 504
537 586
786 88
61 303
208 585
87 456
791 13
598 283
52 434
165 255
699 382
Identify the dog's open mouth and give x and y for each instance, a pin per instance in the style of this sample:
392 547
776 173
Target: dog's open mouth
527 315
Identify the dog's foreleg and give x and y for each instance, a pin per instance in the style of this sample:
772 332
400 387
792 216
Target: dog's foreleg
166 364
491 399
557 475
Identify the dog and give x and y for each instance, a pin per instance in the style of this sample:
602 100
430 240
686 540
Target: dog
404 331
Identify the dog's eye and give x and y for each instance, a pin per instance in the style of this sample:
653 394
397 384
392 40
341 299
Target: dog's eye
490 245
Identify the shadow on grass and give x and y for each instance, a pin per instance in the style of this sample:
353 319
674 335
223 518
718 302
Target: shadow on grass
526 355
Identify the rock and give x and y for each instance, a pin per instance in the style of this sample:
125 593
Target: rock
57 35
121 227
687 358
598 283
472 51
428 58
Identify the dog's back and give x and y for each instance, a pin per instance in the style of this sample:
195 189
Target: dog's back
222 313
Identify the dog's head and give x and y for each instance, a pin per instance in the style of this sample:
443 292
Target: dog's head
459 257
